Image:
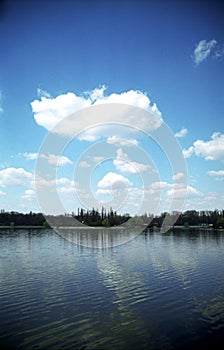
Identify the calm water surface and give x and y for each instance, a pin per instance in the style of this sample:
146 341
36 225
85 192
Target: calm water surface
155 292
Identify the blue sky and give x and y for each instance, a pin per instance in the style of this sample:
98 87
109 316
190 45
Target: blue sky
166 57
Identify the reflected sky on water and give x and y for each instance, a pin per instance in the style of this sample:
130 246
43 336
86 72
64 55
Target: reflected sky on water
156 291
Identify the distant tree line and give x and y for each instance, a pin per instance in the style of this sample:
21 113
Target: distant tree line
14 218
94 217
110 218
213 218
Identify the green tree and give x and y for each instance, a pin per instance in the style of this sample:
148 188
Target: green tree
106 222
46 224
220 222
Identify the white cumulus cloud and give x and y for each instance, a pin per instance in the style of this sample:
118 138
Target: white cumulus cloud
203 50
131 97
216 172
52 159
178 176
158 185
209 150
114 140
62 182
69 186
113 180
97 159
14 177
84 164
181 191
48 112
188 152
96 94
181 133
212 149
29 195
123 164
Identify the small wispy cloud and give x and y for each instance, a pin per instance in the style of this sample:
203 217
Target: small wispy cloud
43 93
181 133
203 50
1 108
206 48
219 52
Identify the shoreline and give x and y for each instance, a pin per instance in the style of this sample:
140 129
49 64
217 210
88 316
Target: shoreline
155 228
23 227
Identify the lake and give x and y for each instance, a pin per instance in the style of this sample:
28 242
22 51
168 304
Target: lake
154 292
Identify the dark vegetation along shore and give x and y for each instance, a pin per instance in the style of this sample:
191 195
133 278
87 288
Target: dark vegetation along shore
109 218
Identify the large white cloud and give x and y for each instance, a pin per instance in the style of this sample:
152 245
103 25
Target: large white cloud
14 177
48 112
203 50
211 150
